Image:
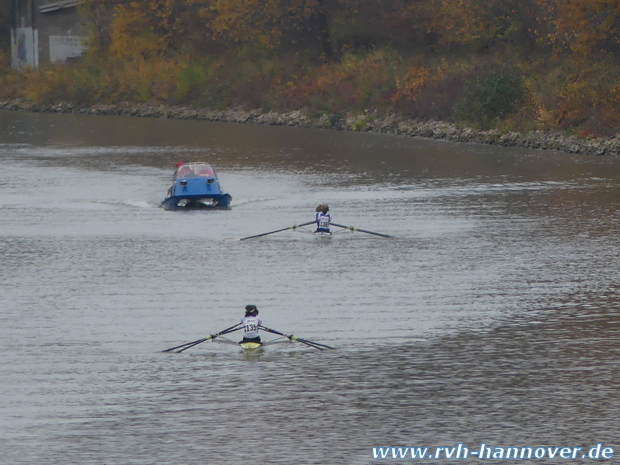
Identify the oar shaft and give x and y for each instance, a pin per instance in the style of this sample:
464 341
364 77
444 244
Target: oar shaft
213 336
308 343
269 330
266 234
192 345
183 345
316 345
373 233
277 231
229 330
189 345
353 228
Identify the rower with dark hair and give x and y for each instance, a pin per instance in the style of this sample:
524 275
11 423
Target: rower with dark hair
250 323
323 219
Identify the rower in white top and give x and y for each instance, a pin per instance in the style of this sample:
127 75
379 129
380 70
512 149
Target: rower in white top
322 218
251 322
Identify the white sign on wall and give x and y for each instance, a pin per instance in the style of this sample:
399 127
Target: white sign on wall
64 47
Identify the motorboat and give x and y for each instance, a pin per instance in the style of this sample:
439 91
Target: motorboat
195 185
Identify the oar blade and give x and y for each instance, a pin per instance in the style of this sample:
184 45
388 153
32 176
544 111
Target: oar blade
309 344
192 345
318 344
373 233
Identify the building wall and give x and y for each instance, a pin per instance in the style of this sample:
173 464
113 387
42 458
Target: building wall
45 31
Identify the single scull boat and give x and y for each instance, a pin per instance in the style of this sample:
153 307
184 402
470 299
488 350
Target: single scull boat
249 346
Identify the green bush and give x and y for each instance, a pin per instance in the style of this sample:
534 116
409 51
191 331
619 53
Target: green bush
489 96
190 80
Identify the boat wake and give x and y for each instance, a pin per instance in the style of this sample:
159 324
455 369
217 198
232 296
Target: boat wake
127 203
239 202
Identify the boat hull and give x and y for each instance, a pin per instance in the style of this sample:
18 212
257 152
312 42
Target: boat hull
250 346
182 202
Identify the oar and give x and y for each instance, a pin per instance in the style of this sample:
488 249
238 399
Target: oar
277 230
292 338
186 344
212 336
316 345
189 345
353 228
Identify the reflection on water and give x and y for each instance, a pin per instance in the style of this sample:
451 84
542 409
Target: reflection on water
491 316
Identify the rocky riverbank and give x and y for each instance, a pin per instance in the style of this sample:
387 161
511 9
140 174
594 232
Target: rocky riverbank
545 140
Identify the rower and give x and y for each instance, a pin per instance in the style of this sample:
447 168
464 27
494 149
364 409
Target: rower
323 219
250 323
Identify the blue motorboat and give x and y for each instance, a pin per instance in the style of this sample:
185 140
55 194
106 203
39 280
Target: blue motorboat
195 185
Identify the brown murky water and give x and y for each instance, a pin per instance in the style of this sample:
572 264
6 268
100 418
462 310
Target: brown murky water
491 316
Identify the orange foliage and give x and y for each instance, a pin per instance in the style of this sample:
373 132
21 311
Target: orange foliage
584 26
357 82
413 57
575 94
156 28
259 22
481 22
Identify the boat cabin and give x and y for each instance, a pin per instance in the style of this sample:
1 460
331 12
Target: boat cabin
194 170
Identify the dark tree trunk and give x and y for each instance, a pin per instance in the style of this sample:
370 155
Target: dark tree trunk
326 43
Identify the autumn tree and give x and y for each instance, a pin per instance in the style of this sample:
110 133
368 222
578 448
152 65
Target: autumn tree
359 25
147 27
273 24
484 24
583 26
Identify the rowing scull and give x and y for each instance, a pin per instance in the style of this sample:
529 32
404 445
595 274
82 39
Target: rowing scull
248 346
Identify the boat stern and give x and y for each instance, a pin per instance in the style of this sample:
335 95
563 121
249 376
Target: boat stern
250 345
195 185
193 188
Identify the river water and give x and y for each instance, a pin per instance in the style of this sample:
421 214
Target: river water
491 316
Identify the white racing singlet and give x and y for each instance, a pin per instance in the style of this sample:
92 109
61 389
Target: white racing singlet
322 221
250 326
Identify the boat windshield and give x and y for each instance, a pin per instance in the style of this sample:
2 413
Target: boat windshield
190 170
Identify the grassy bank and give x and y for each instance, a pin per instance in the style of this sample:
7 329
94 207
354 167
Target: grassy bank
482 98
482 92
509 66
